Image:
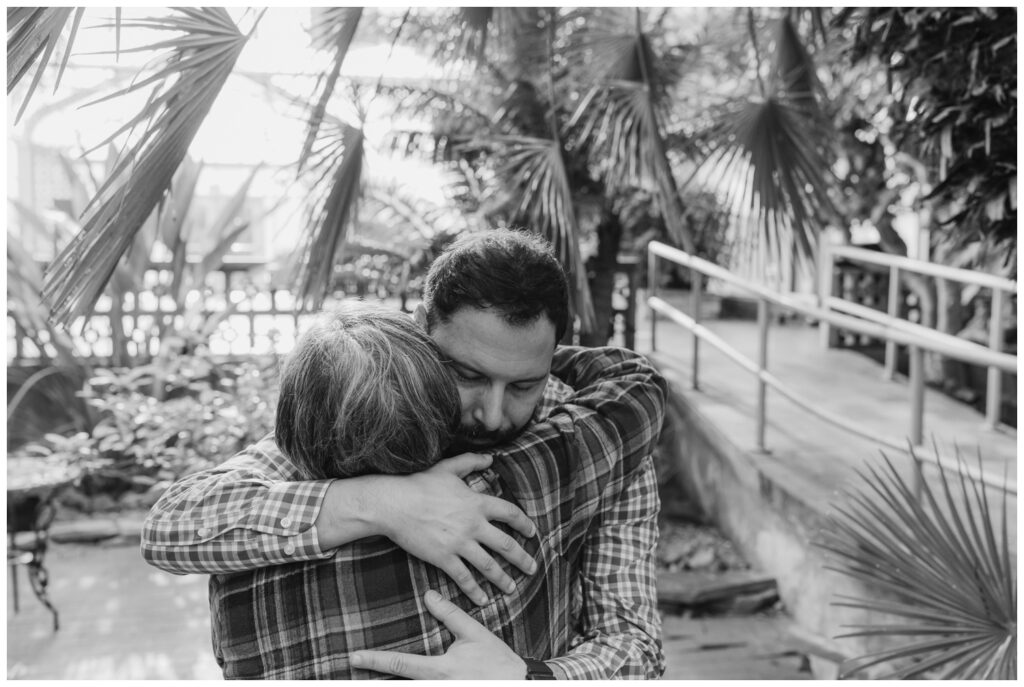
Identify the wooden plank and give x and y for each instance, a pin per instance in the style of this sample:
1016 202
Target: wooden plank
696 587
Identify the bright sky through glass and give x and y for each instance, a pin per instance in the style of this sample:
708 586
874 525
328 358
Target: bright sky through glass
244 126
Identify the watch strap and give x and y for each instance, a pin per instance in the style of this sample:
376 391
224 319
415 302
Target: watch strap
538 670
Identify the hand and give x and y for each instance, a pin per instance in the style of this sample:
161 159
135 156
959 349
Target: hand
476 654
434 516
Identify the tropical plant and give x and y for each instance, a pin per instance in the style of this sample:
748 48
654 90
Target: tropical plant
938 563
624 109
205 410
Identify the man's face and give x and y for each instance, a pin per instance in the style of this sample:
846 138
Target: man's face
501 371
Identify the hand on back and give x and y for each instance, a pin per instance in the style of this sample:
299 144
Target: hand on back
436 517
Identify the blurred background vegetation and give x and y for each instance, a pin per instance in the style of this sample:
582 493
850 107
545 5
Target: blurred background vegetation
184 185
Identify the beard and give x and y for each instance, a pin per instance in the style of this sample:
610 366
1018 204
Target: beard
474 438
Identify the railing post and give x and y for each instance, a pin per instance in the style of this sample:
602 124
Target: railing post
916 395
652 290
696 288
894 312
994 395
762 363
825 280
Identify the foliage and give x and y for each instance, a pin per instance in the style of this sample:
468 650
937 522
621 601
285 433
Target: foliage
199 63
767 151
943 568
953 74
210 410
33 34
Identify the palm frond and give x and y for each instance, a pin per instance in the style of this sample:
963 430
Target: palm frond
342 159
622 122
622 115
198 64
767 161
535 170
939 565
336 30
24 305
33 33
513 37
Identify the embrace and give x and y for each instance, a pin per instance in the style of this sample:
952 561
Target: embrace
449 496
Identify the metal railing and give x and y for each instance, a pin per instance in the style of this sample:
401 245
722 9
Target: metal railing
897 264
880 326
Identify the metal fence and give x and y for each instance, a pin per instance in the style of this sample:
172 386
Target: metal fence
878 325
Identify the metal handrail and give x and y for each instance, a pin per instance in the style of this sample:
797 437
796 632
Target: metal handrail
930 268
898 263
916 337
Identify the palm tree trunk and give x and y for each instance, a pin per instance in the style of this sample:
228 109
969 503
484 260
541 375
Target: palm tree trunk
602 280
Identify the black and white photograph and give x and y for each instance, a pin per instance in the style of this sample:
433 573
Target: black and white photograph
511 343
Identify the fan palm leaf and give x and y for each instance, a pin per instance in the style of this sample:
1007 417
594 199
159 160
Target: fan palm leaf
766 161
336 29
33 33
505 36
944 571
188 83
340 162
535 170
766 156
622 114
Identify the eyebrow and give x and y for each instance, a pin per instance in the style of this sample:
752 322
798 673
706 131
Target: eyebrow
472 370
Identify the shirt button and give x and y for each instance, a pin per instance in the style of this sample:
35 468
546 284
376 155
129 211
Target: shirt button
286 522
204 532
289 549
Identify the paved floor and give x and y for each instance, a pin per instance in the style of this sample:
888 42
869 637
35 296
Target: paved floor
120 619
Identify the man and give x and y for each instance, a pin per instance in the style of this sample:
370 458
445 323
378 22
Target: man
496 304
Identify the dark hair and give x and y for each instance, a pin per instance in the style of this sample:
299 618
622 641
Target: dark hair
365 391
513 272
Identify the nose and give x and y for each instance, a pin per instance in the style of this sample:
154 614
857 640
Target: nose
489 407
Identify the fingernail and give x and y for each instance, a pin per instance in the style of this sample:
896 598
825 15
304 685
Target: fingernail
510 587
432 595
533 567
481 600
356 659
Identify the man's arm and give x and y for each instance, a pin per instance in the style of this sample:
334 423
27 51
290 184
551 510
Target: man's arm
246 513
251 512
620 629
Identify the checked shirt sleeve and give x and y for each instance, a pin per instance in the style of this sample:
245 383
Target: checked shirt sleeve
598 442
246 513
619 626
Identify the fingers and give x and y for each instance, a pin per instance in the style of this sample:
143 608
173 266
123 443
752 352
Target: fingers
509 549
510 514
488 567
458 622
464 464
460 574
396 663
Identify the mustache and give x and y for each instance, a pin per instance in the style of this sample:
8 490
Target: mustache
478 434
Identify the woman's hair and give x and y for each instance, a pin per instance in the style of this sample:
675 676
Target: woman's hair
365 391
514 272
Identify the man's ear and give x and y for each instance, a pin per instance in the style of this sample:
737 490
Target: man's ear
420 315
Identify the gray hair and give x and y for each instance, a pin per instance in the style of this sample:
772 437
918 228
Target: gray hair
365 391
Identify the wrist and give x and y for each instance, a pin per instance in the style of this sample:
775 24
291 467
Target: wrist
349 512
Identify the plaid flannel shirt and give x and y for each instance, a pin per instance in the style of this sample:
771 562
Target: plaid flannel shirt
590 608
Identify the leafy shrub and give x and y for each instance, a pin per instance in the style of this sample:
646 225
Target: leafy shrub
162 420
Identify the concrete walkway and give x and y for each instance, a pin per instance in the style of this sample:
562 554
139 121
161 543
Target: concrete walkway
119 619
